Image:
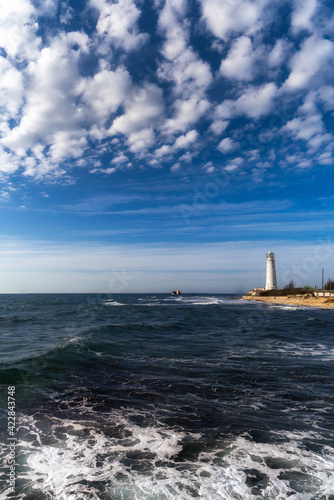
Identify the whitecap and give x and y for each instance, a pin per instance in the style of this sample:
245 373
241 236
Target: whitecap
144 463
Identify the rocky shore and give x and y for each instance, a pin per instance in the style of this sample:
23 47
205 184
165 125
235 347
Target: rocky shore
296 300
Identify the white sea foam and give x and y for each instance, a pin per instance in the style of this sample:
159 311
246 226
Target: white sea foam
317 350
185 300
112 303
140 463
287 307
196 300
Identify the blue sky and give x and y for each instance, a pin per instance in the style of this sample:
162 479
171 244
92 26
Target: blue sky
147 145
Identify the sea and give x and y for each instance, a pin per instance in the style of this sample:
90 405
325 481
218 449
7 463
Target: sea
157 397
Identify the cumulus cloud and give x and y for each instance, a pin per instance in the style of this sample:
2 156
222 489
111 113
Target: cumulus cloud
50 105
224 18
227 145
302 14
254 102
187 112
325 158
141 140
184 141
182 65
240 60
326 97
308 125
142 108
305 127
171 24
11 89
314 60
9 162
118 22
105 91
218 126
278 53
62 92
18 29
257 101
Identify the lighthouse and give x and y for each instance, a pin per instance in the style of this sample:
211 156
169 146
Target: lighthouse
271 281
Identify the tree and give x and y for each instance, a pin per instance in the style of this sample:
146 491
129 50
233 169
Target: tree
290 285
329 285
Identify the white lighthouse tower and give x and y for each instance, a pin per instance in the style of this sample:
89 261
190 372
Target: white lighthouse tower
271 281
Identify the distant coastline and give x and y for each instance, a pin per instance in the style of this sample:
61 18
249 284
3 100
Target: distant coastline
295 300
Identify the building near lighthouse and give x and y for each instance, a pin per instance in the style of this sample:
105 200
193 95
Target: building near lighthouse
271 280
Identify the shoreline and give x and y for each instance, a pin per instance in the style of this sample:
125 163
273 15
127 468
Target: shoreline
304 300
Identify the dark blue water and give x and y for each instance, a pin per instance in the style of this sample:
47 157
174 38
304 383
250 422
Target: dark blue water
160 397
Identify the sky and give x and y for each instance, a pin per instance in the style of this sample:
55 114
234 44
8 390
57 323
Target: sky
153 145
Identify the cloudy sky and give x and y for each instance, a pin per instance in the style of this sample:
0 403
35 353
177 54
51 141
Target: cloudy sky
147 145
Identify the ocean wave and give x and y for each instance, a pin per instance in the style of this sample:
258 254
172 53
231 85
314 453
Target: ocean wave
320 351
196 300
157 462
41 355
112 303
290 307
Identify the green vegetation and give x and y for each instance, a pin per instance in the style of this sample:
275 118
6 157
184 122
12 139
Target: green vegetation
290 285
289 289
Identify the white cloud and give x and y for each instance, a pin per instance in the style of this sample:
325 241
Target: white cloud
218 126
227 145
187 72
9 163
319 140
187 112
326 96
240 60
225 110
67 144
163 151
106 91
231 167
302 14
121 158
254 102
184 141
182 65
326 158
11 90
175 167
257 101
110 170
224 18
187 157
305 128
141 140
309 126
171 24
315 59
18 28
237 161
278 53
118 22
50 106
141 109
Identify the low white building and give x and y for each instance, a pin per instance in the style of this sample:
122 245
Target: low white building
323 293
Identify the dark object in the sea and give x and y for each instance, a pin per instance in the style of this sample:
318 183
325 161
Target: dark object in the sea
176 292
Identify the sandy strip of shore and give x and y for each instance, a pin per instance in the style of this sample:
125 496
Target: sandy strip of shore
322 302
